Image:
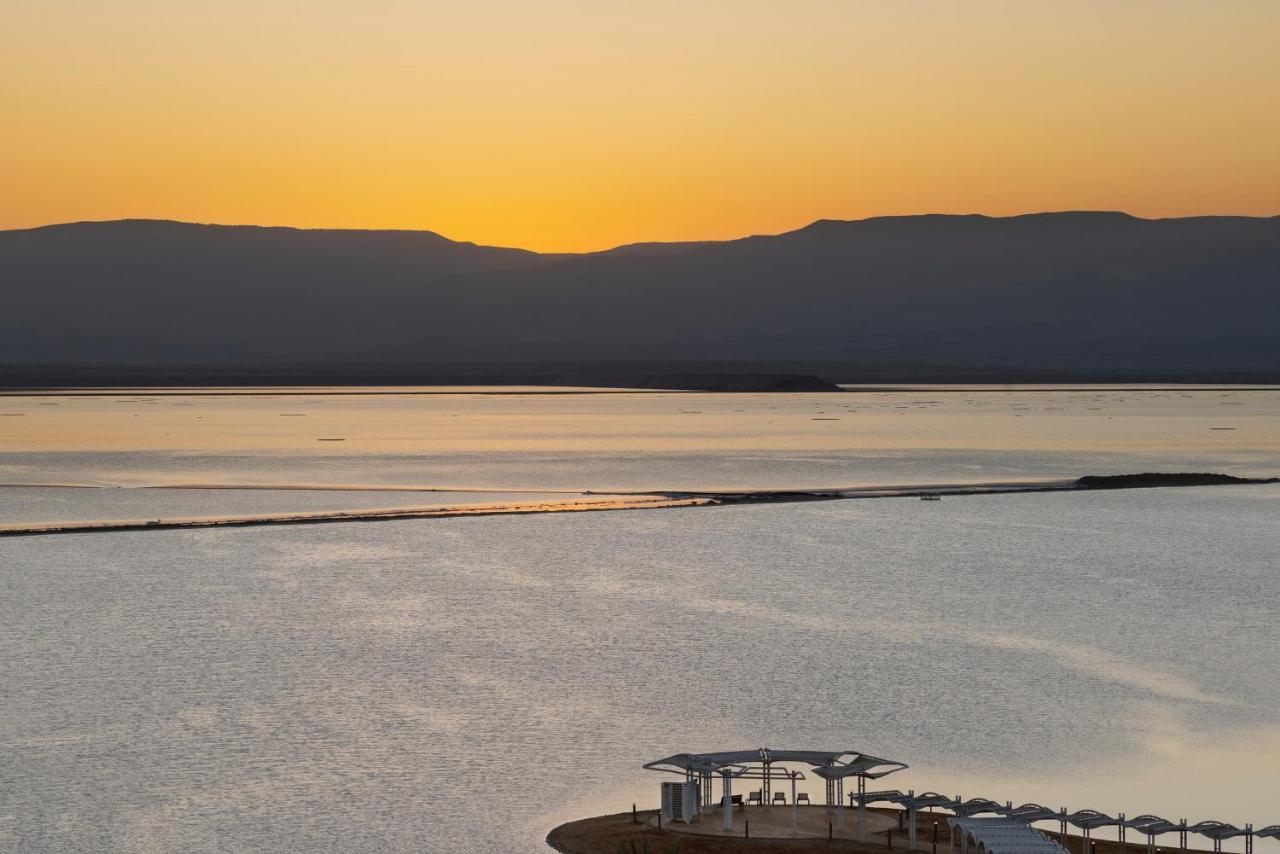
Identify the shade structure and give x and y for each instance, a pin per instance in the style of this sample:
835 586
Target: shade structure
1152 825
1091 819
837 766
1220 830
975 806
834 766
841 762
1033 813
912 802
998 835
933 799
893 796
1088 821
1217 829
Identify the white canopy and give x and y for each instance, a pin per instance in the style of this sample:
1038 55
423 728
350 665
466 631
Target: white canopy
1003 836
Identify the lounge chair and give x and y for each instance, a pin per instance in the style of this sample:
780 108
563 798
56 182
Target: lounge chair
780 797
755 797
802 797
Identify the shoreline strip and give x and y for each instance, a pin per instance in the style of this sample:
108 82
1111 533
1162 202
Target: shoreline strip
650 500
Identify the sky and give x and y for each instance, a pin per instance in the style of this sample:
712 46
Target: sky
574 125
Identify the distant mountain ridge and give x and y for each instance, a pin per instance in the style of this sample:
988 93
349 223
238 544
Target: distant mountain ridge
1081 291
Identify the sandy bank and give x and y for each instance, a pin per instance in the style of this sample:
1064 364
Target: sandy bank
624 501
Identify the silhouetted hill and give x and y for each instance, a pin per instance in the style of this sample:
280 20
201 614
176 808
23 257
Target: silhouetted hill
1075 293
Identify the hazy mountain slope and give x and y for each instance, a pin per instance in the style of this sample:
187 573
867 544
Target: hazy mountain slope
156 290
1071 290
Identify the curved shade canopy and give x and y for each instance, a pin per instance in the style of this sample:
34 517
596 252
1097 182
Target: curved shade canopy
829 764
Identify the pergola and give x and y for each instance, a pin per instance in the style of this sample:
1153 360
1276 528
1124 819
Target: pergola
1153 826
833 766
1220 830
912 803
1008 830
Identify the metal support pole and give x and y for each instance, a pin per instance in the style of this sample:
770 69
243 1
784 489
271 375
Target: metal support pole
794 817
727 808
862 811
911 820
840 803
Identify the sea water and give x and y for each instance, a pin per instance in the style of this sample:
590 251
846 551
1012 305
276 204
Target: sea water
466 684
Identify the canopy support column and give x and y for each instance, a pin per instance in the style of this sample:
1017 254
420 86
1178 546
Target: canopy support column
727 809
862 811
794 816
911 820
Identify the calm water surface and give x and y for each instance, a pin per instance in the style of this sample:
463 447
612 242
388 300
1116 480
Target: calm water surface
395 685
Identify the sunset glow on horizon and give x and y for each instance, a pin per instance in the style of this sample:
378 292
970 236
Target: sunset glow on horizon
581 125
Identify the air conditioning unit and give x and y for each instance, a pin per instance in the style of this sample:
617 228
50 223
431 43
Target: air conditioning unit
680 801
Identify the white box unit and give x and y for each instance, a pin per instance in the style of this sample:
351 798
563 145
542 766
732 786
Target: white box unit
680 801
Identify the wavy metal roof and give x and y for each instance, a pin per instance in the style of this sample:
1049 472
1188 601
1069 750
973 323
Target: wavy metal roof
829 764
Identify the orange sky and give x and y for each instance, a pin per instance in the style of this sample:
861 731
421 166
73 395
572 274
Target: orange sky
585 124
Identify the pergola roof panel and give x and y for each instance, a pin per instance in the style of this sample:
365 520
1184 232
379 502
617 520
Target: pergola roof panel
836 764
1217 829
1152 825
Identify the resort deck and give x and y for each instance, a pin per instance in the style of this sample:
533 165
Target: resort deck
774 822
